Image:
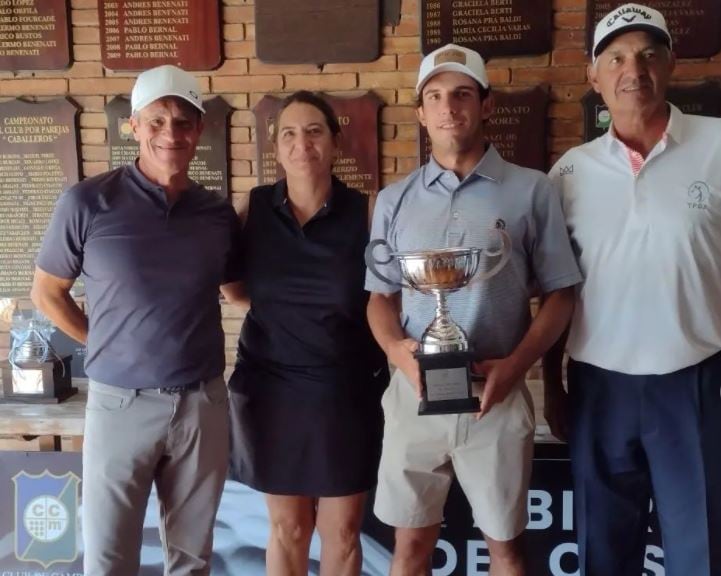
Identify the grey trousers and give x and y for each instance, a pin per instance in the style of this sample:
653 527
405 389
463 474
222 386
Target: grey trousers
134 438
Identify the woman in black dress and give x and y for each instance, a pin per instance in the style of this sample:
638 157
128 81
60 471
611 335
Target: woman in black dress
305 393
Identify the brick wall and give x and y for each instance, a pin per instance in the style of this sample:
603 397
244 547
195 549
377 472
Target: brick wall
242 79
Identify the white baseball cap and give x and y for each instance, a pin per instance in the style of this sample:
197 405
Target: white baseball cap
165 81
629 18
452 58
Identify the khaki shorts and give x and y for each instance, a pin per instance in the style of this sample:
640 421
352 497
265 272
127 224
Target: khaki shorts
490 457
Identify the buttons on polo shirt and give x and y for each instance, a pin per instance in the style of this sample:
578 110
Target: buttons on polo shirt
456 214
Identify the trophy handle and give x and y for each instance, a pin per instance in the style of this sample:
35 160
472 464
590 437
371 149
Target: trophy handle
504 252
371 261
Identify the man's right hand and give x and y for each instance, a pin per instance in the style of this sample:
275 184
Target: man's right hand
400 354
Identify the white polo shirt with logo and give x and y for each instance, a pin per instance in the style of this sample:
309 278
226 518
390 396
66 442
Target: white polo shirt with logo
649 247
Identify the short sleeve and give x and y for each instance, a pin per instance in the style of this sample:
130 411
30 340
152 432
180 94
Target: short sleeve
554 263
62 249
386 278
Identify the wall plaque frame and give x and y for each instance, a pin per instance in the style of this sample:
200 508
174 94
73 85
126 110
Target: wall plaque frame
141 35
491 28
35 35
38 160
317 32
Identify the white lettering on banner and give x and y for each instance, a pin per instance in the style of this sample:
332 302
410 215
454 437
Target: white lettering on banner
567 514
477 553
651 567
539 510
539 513
478 560
451 559
477 563
555 559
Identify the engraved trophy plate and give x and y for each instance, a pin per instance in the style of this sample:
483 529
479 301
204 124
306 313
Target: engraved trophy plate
446 383
444 355
27 381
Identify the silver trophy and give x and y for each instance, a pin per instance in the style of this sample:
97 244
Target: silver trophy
34 372
444 355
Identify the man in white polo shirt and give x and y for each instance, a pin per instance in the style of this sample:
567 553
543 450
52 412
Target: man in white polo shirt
643 208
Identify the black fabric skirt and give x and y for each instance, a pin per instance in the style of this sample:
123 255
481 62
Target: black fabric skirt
292 434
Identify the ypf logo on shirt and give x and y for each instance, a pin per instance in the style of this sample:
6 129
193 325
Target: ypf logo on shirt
698 193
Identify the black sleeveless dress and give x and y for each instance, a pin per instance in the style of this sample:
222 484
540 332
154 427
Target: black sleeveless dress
305 394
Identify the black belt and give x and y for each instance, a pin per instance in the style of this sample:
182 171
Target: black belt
179 389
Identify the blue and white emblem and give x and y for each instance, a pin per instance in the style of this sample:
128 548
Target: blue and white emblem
46 508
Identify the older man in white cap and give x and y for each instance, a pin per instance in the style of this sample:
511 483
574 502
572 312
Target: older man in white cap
153 248
643 207
456 199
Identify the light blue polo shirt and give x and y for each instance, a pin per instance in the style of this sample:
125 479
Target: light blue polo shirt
432 208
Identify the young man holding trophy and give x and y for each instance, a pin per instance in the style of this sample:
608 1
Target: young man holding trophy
465 209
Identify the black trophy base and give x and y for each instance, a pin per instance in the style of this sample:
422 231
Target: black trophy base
466 405
37 382
446 381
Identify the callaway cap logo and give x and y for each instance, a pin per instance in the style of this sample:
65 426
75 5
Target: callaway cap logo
451 55
628 14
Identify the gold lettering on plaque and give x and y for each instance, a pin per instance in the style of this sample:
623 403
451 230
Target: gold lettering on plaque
24 29
146 29
476 21
29 185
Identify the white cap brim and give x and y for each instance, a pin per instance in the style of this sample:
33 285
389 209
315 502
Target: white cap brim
164 94
450 67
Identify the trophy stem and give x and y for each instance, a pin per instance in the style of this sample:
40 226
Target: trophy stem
443 334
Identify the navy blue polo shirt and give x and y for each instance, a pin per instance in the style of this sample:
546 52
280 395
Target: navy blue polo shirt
307 319
151 272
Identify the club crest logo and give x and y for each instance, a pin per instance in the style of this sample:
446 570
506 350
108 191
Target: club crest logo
46 517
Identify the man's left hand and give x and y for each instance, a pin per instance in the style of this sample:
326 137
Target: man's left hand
501 375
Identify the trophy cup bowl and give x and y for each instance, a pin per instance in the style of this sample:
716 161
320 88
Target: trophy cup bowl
446 269
444 355
440 272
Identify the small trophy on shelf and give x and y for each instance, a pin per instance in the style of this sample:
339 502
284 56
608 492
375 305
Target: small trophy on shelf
33 372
